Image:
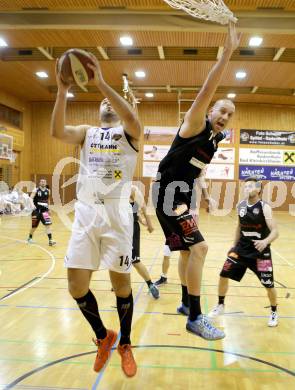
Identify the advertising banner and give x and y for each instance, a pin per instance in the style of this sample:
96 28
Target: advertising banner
267 173
267 137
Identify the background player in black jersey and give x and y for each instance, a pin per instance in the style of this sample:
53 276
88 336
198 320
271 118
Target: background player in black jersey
193 148
255 231
40 198
139 210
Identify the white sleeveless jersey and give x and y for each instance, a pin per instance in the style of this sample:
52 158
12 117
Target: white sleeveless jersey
108 162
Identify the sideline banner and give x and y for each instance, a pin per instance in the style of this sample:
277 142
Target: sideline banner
267 137
266 157
267 173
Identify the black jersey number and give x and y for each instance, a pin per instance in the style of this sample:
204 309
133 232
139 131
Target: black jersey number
105 135
124 260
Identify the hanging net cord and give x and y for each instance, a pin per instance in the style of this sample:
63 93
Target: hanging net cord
213 10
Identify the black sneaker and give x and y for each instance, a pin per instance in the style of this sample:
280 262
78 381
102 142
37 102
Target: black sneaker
162 280
52 243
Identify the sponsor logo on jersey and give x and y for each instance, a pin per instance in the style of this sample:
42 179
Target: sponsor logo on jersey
227 265
256 211
117 174
116 137
264 275
251 234
267 282
188 226
97 148
188 240
264 265
197 163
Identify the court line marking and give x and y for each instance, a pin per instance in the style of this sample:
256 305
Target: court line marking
38 369
39 278
72 308
282 257
231 314
18 288
22 341
143 283
100 375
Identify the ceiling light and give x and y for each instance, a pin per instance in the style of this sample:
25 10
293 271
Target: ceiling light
231 95
149 95
140 74
3 43
255 41
241 75
70 95
42 75
126 41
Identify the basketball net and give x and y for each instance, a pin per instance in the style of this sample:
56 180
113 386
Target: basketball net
213 10
128 93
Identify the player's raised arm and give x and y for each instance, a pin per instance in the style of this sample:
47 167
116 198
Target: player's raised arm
119 104
69 134
194 119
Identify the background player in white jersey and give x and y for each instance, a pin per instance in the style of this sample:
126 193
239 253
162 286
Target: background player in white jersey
255 231
103 227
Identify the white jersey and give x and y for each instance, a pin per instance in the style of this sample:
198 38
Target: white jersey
107 165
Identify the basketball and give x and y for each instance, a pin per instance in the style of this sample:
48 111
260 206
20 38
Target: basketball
73 67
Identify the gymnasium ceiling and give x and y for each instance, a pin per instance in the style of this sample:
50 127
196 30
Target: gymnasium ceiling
175 50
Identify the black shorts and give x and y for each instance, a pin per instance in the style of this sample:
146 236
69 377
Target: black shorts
235 267
181 231
41 215
136 243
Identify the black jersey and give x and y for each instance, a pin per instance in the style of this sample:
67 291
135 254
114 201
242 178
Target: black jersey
253 227
41 198
185 161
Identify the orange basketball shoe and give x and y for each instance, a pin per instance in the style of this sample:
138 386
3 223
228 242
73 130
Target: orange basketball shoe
104 349
128 363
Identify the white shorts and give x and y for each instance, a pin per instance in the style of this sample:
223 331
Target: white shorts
101 235
167 251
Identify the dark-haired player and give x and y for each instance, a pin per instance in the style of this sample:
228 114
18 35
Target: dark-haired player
40 198
103 226
255 232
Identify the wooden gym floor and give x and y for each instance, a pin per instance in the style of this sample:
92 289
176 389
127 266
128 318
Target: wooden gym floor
46 344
